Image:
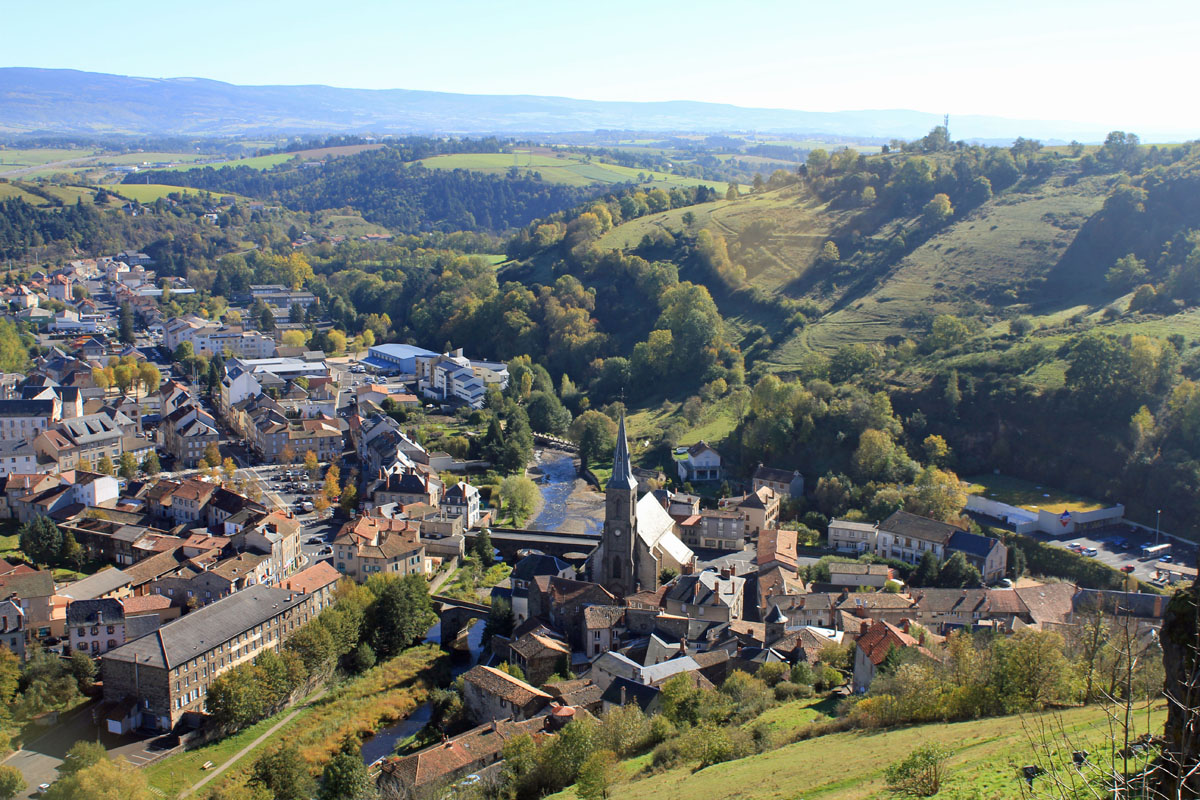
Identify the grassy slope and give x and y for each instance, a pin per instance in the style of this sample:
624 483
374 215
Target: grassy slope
149 192
849 766
565 168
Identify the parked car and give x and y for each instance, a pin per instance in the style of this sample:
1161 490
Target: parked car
1128 568
1167 559
1090 552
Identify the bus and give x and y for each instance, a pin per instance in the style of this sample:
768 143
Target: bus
1152 552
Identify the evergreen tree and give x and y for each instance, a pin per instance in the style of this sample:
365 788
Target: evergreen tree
150 464
125 325
40 539
483 548
926 573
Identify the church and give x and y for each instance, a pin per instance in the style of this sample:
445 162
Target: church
639 539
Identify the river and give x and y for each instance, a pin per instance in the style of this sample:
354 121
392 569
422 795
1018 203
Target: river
384 742
558 485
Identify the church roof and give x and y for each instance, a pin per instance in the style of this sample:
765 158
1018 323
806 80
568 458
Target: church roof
622 474
656 528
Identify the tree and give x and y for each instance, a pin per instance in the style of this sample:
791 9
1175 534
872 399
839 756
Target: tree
830 255
937 211
1128 272
82 755
266 320
104 780
311 463
519 496
345 776
320 505
125 325
183 353
399 615
283 773
105 465
920 773
150 464
948 330
287 455
149 377
363 658
128 466
500 620
234 699
70 553
936 450
349 499
12 782
547 414
124 376
212 455
294 338
40 539
598 775
956 573
596 436
483 549
333 476
229 469
926 573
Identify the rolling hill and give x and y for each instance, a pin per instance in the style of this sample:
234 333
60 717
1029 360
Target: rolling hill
70 101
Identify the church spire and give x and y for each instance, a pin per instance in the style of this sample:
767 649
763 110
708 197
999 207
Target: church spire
622 474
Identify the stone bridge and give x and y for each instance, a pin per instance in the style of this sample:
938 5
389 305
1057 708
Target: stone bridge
455 616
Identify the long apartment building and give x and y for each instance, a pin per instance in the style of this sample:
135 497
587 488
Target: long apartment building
208 339
153 681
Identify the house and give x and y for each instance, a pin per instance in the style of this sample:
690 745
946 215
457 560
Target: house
539 656
908 537
367 545
525 572
602 627
777 548
407 487
25 419
97 626
855 574
853 537
19 457
759 508
107 583
275 536
318 581
708 595
699 463
986 554
623 692
784 483
81 441
490 694
160 677
723 529
872 648
425 774
12 627
561 602
452 376
33 591
187 432
463 498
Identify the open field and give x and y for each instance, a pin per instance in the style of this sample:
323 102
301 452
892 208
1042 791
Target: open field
32 157
565 168
14 190
1028 495
987 755
149 192
254 162
335 152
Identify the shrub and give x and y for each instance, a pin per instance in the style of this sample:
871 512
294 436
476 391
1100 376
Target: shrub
786 690
920 774
772 673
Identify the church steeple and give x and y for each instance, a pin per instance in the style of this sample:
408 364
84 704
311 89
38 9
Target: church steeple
622 474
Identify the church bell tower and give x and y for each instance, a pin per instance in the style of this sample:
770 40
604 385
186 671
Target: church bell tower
617 568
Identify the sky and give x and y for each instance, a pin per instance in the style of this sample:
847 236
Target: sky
1128 65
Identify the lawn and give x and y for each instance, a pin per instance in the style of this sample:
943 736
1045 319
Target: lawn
10 546
986 757
1028 495
787 718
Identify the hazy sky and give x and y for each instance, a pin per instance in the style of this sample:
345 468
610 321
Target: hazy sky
1122 64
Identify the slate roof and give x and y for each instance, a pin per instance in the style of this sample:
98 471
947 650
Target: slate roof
972 544
623 691
26 408
205 628
903 523
105 611
93 586
839 568
531 566
773 475
532 645
579 692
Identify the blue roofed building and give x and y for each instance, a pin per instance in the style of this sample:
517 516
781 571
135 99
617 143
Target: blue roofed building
986 554
399 358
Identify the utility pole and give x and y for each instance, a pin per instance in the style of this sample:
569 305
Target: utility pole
1157 515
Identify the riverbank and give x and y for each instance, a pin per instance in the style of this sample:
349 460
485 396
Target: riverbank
567 502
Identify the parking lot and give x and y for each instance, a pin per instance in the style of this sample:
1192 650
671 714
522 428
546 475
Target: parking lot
1121 546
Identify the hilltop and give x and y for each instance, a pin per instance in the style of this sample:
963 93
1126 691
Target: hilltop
55 100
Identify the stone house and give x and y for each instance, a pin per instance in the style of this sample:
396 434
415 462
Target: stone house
490 694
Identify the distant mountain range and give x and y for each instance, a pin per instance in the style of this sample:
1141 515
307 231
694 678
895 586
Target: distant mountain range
70 101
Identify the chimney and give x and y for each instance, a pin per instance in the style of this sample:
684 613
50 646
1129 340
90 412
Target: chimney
622 695
726 572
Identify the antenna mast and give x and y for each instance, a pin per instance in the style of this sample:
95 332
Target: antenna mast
946 125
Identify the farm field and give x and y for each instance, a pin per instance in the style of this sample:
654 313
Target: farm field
986 757
14 190
32 157
254 162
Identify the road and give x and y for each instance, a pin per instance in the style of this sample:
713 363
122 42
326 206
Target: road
70 162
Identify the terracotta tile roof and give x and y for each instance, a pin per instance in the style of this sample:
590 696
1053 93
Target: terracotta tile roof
503 685
1050 602
463 754
532 645
145 604
311 579
602 617
880 638
777 545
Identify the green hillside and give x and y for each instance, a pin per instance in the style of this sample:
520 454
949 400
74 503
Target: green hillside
987 755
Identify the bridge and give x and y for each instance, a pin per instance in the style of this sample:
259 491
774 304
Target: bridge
555 442
454 615
553 543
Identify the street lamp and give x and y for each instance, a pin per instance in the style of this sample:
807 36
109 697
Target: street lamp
1157 514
